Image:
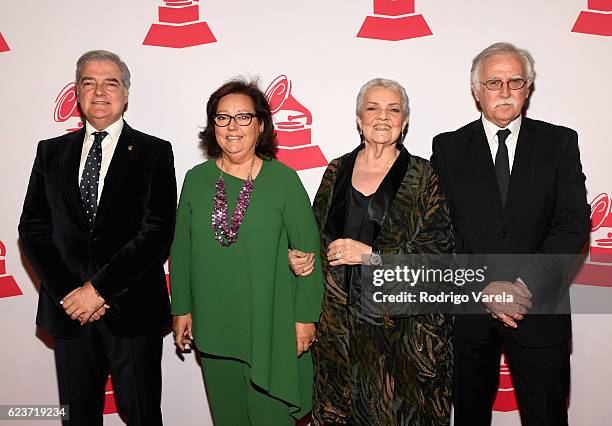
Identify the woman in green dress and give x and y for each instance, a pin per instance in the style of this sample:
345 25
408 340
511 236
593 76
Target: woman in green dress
233 294
378 200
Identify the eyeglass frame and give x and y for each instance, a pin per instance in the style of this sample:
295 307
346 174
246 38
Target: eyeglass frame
484 83
250 114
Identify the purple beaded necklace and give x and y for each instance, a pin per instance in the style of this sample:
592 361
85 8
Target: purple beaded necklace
225 234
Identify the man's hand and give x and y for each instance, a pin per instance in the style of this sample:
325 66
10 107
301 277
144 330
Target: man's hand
82 302
301 263
99 313
508 312
181 325
305 334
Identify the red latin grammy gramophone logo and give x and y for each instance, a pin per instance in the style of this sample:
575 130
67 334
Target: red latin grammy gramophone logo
394 20
66 108
179 26
597 270
597 20
3 45
505 400
110 405
8 285
167 271
292 122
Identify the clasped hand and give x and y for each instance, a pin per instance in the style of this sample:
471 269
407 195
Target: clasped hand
343 251
508 312
301 263
84 304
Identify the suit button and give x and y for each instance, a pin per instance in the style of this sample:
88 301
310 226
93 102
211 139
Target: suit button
503 234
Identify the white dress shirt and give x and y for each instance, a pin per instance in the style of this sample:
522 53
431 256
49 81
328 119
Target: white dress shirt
109 143
491 132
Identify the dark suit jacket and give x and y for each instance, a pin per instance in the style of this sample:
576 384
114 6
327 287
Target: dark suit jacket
546 212
123 254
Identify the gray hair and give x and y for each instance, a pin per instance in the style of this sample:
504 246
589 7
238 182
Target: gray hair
383 82
103 55
502 48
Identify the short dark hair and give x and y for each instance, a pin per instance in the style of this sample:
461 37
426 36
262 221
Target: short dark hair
266 146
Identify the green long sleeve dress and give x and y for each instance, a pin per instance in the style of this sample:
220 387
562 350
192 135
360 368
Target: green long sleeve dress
244 300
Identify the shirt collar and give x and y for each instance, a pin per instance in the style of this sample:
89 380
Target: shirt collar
491 129
114 130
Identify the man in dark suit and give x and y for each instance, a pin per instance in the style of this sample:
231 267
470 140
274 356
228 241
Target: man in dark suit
97 224
514 186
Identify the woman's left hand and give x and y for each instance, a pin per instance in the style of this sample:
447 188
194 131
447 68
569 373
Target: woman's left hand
305 333
345 251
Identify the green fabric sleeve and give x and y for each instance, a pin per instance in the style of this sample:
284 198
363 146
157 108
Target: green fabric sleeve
180 255
304 235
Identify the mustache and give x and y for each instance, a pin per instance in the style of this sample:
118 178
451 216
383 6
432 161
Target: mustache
508 101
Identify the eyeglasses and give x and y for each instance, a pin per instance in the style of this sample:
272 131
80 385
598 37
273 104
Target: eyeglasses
242 119
514 84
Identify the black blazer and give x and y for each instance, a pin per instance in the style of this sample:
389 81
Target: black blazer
545 212
123 254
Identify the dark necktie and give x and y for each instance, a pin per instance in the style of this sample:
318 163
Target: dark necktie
91 177
502 164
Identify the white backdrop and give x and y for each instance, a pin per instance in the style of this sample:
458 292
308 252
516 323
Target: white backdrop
314 44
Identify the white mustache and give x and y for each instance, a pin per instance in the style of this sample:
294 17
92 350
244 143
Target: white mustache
508 101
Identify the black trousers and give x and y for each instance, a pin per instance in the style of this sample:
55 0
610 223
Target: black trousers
84 362
541 378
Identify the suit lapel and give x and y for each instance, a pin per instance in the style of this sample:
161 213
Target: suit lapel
522 160
485 162
380 203
71 159
122 157
385 194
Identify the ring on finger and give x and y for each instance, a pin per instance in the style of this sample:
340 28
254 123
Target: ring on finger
338 255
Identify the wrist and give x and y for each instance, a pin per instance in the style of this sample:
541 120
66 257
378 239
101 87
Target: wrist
375 258
96 292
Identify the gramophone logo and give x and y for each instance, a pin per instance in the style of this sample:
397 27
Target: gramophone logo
597 20
597 270
167 271
8 285
292 122
394 20
3 45
505 400
66 108
179 26
110 405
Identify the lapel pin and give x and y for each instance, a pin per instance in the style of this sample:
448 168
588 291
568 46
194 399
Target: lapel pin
130 147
